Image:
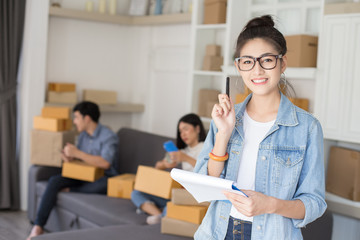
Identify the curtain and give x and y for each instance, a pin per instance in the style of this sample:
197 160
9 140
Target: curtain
12 15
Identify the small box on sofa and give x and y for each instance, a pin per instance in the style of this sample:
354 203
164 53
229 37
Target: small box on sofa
121 186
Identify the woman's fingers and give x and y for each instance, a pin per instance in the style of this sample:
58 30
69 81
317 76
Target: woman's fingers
224 105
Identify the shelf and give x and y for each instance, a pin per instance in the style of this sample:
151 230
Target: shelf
117 19
208 73
342 206
211 26
298 73
110 108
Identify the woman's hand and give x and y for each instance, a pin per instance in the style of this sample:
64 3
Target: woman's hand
164 164
223 115
177 156
255 204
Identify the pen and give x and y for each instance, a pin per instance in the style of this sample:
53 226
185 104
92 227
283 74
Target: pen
228 86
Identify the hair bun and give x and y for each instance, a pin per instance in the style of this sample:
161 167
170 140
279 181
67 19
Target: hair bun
263 21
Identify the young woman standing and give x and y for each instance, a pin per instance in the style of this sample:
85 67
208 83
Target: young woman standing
271 148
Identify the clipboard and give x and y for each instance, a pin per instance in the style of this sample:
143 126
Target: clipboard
204 188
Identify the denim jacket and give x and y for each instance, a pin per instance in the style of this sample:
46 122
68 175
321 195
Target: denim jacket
290 165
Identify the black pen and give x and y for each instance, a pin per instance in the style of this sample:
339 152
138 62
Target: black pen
228 86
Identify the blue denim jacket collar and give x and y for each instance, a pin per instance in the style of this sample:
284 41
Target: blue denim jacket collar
286 115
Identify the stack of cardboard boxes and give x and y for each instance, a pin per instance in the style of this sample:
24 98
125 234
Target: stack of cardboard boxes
184 214
52 130
213 59
61 93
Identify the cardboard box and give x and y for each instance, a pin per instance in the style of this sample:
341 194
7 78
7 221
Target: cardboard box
193 214
341 8
99 96
215 11
178 227
46 146
206 96
56 112
213 50
61 97
81 171
156 182
62 87
121 186
181 196
301 103
343 174
302 50
52 124
212 63
209 107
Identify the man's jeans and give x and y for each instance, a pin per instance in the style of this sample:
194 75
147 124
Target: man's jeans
56 184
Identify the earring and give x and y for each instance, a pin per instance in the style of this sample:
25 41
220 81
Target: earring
283 83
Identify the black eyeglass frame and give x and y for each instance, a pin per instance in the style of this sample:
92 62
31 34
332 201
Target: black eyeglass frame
257 59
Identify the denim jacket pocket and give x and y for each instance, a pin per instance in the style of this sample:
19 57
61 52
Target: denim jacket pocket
287 165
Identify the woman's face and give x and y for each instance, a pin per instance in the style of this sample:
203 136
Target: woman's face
260 81
189 134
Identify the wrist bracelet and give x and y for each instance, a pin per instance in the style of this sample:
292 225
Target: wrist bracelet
219 158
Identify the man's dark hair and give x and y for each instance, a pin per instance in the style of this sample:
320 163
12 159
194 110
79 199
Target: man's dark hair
88 108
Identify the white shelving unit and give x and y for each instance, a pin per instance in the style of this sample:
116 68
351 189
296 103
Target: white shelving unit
305 15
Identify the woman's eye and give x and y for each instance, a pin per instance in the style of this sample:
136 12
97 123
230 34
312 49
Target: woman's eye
247 62
267 59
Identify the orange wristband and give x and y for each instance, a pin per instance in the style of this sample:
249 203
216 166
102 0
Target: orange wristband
218 158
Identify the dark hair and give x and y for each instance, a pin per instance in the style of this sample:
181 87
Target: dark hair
88 108
194 120
263 27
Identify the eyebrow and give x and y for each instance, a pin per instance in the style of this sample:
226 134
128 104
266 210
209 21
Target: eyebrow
262 55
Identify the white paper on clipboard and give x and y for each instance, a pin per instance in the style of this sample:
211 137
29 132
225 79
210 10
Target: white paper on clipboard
204 188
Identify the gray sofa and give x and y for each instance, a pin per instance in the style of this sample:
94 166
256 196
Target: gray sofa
96 216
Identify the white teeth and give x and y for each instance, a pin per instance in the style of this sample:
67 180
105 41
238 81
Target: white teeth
259 81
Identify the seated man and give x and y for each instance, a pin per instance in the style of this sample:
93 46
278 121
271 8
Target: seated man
97 146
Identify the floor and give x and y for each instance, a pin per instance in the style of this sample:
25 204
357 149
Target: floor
14 225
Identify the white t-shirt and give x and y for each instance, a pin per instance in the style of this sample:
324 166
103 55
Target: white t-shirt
192 152
254 133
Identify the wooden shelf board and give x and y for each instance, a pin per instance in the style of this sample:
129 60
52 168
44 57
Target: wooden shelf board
117 19
343 206
212 26
106 108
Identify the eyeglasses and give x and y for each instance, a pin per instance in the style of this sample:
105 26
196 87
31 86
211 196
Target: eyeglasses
267 62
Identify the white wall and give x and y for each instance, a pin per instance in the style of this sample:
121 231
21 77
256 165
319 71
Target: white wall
144 64
31 88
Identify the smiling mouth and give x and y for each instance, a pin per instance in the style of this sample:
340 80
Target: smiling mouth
259 81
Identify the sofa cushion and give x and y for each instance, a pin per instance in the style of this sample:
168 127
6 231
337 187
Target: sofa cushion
133 232
137 147
99 209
